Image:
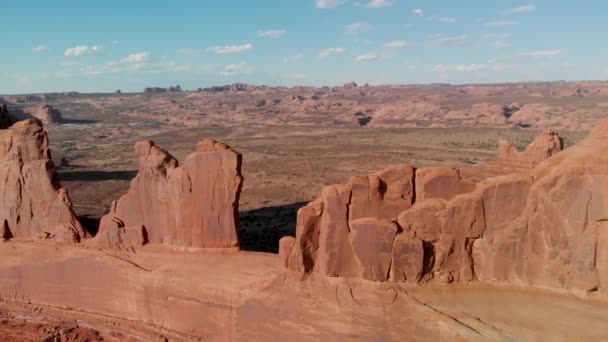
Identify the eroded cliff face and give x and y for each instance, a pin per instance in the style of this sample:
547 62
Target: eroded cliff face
193 205
32 204
543 227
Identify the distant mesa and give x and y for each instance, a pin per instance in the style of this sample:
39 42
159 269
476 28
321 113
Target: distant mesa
350 85
117 91
193 205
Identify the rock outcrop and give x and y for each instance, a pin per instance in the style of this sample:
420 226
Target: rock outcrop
545 227
546 144
32 204
45 113
193 205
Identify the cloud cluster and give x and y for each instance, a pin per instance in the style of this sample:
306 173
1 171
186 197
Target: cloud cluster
524 9
379 3
329 3
139 57
331 51
83 50
220 50
274 34
368 57
398 44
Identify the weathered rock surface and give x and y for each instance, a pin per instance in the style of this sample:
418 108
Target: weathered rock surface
193 205
324 227
32 204
544 227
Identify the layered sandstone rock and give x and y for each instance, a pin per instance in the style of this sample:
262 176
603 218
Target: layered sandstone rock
193 205
545 227
32 204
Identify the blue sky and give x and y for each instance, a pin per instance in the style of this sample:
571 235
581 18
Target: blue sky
99 46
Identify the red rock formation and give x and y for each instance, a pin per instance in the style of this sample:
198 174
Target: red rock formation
193 205
545 227
33 203
546 144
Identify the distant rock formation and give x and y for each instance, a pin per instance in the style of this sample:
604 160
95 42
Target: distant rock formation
155 90
175 89
33 204
546 144
350 85
117 91
547 227
235 87
45 113
193 205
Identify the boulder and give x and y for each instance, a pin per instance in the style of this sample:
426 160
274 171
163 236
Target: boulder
193 205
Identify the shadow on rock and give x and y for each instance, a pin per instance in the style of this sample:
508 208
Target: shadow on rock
262 228
73 176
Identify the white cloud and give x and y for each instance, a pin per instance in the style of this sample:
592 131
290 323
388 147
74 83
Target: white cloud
83 50
331 51
189 51
220 50
398 44
296 57
329 3
545 53
471 67
524 9
235 69
443 19
139 57
41 48
379 3
274 34
453 40
418 12
440 68
357 28
501 23
368 57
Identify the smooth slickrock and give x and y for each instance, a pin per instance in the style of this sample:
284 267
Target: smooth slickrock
440 182
193 205
33 203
